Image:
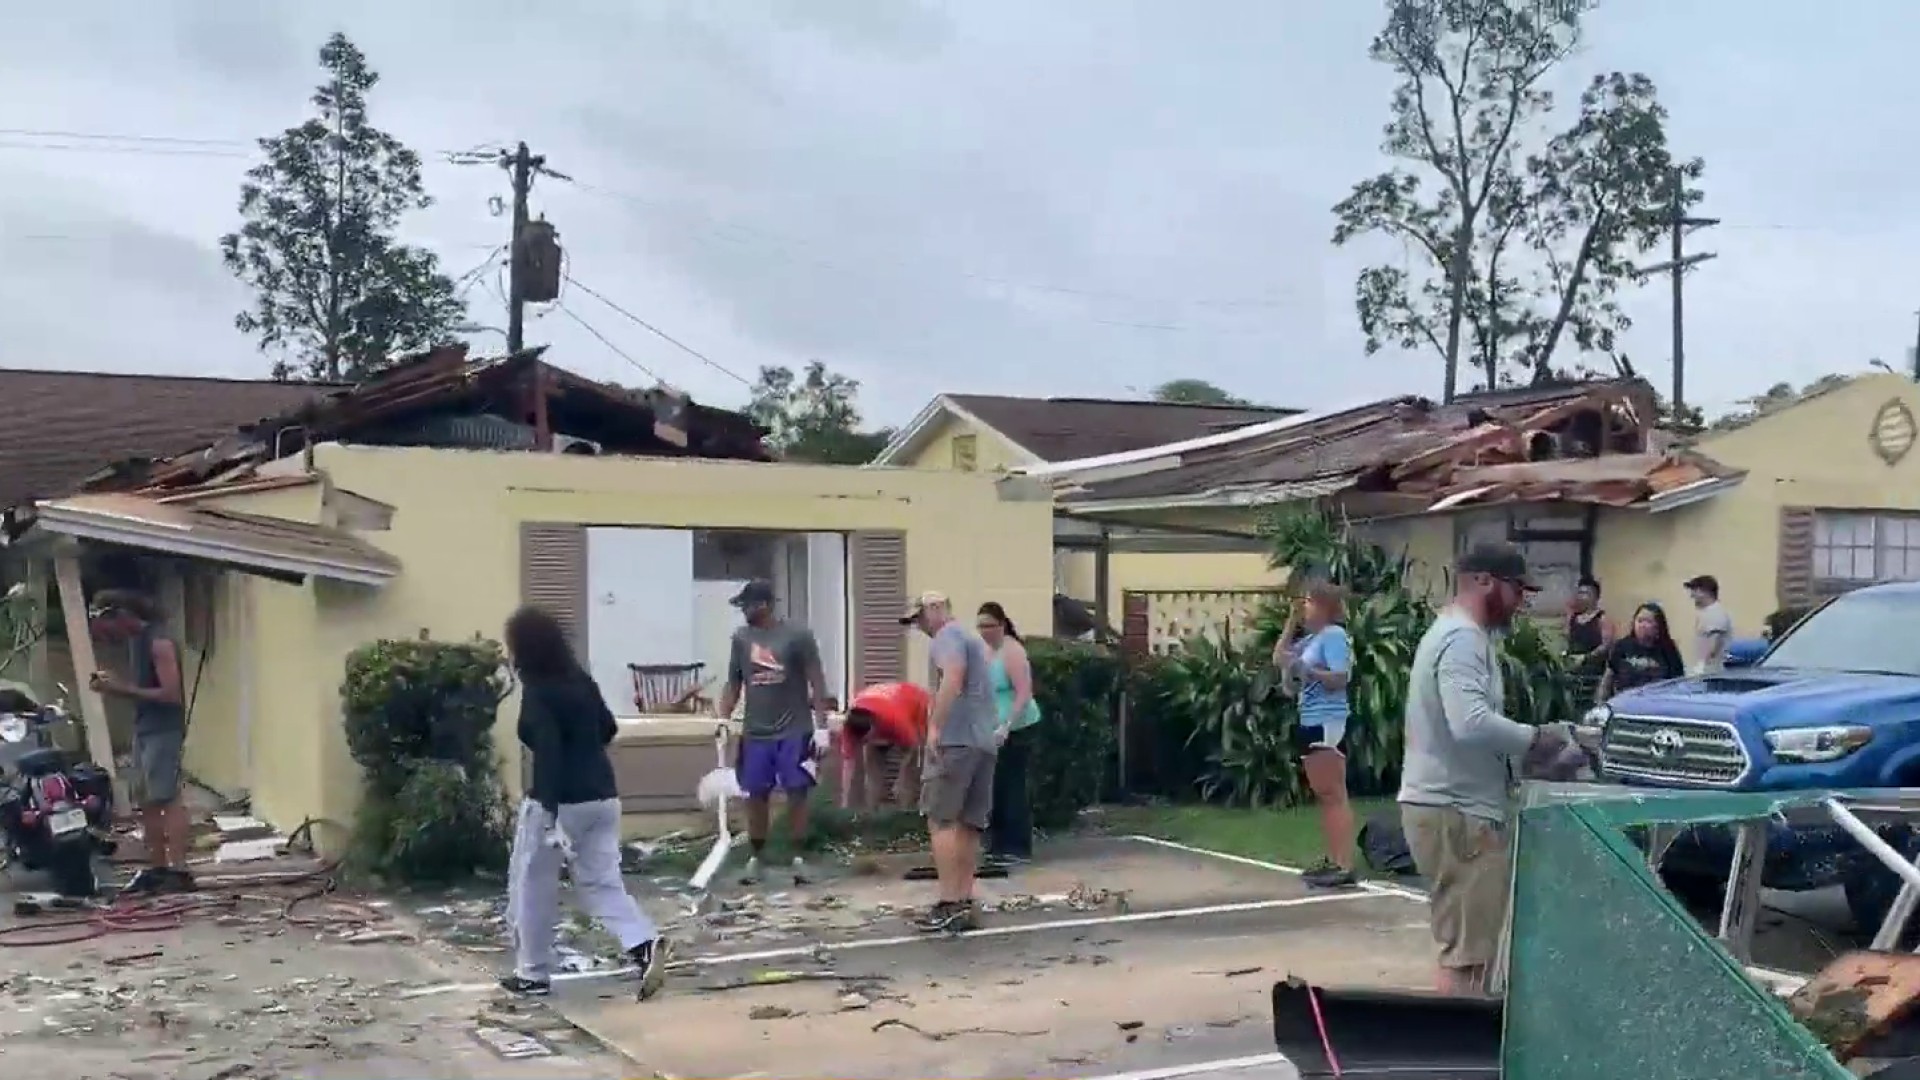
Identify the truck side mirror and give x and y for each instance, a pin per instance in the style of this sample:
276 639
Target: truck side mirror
1746 652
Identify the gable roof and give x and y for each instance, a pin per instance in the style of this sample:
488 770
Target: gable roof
1066 428
59 427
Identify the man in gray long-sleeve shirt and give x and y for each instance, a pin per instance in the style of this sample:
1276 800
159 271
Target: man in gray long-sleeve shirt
1462 758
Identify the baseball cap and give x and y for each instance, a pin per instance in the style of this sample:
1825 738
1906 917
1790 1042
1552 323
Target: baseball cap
1703 581
1503 561
921 603
752 594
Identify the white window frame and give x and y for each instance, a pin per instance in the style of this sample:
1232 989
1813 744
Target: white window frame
1852 548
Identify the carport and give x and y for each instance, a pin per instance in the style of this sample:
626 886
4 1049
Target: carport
1161 965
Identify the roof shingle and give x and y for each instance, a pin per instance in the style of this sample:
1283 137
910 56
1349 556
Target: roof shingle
58 427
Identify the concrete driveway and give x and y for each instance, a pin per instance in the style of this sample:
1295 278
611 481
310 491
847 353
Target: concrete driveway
1109 957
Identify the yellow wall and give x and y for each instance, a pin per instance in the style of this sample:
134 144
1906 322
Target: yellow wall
992 451
1814 454
1127 571
456 533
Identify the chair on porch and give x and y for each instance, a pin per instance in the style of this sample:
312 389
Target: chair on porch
668 688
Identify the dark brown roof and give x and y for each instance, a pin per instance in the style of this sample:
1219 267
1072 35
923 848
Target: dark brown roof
59 427
1398 434
1066 429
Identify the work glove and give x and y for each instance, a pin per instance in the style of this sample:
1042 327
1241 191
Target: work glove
1555 754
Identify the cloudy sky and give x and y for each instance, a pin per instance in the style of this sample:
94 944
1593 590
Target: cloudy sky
1080 197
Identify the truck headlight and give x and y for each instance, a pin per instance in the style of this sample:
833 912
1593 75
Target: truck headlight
1593 724
1817 743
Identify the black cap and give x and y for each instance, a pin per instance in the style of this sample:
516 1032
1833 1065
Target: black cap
1503 561
753 594
1704 582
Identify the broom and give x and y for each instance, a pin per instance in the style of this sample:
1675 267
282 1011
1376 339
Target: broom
715 789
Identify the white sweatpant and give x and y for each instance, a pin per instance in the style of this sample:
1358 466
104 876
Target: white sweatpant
533 882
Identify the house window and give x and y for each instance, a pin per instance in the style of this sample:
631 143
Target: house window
1851 549
966 453
660 599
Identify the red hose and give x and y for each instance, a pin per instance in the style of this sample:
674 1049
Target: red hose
120 917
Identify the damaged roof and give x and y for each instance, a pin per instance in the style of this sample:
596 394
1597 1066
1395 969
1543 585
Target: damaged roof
285 550
1066 428
57 428
1584 442
441 398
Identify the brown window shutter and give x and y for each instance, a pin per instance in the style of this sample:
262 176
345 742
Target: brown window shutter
553 575
1794 583
879 570
1136 631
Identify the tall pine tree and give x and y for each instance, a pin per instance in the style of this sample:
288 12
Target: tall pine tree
336 295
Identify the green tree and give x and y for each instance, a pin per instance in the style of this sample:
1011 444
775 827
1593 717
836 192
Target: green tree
336 294
813 416
1194 392
1515 251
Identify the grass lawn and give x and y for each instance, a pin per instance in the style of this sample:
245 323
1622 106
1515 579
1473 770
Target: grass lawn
1290 837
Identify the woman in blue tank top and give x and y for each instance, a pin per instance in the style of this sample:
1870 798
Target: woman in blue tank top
1319 665
1011 829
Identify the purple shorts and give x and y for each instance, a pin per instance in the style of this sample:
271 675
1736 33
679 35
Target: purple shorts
766 764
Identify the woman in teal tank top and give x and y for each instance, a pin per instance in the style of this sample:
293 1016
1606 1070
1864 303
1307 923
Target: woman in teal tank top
1011 825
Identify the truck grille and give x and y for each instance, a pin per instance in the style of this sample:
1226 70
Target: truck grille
1673 751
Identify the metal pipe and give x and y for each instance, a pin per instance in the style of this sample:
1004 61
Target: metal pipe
1871 840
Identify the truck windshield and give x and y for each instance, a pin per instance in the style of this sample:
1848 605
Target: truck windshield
1862 632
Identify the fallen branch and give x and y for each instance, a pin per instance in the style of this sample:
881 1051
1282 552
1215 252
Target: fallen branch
943 1036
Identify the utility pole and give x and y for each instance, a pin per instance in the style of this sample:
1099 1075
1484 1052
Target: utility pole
1678 224
521 164
1916 349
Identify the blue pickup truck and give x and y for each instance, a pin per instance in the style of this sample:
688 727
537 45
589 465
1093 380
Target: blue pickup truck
1832 703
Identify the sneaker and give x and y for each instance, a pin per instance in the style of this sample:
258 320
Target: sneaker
753 873
801 875
651 958
1326 875
940 917
178 880
967 918
514 984
148 881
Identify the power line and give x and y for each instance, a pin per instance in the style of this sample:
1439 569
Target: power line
604 340
101 136
716 225
109 148
659 333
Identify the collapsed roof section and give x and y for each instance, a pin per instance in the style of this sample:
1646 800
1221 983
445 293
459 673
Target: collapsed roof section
1590 442
443 399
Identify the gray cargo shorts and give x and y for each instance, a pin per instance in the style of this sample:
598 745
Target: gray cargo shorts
957 786
156 761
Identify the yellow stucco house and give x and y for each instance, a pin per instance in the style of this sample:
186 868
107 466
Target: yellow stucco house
1207 575
1803 502
281 550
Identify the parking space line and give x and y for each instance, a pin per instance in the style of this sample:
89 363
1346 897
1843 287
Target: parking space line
1374 887
790 952
1172 1072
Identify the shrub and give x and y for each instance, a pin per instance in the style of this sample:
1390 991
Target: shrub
1077 686
419 721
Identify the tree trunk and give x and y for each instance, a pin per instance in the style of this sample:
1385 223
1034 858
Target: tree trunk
1457 304
1543 356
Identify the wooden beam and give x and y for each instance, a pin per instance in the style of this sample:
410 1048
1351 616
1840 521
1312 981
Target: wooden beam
93 709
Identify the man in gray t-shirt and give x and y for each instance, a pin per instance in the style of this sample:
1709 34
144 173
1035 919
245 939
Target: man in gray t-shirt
1463 755
956 792
1712 626
775 665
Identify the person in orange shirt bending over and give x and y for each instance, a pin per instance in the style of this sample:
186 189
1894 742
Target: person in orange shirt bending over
881 716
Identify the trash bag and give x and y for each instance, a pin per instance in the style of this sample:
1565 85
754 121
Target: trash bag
1384 846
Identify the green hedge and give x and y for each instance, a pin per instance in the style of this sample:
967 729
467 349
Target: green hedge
1078 688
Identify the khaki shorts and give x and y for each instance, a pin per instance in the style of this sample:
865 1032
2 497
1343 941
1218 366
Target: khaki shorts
1469 866
957 786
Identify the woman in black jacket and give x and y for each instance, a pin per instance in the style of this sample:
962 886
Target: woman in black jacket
571 807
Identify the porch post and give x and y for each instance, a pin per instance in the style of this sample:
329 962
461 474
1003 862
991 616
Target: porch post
93 710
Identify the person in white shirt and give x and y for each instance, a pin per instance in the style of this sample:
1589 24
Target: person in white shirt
1712 626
